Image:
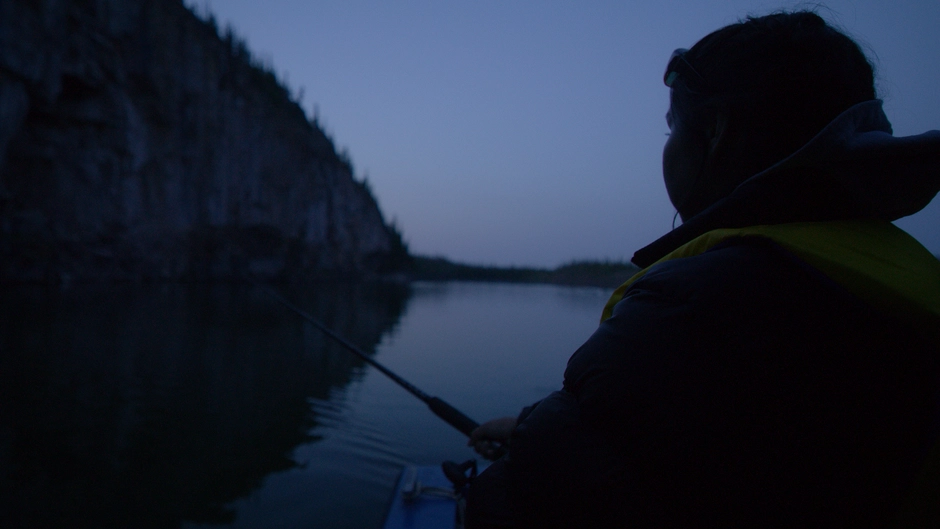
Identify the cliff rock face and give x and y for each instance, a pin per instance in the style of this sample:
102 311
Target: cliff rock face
138 144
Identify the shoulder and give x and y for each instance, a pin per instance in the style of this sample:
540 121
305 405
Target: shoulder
736 266
688 319
742 279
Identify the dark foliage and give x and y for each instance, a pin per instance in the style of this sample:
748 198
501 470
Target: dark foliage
606 274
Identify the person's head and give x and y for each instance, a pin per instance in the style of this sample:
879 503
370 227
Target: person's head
750 94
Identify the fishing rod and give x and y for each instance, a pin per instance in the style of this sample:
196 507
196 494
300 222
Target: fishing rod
445 411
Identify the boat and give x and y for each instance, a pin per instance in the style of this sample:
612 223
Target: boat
425 498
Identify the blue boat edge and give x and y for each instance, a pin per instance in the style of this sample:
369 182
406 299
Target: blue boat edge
418 501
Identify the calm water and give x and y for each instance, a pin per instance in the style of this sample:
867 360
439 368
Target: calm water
182 406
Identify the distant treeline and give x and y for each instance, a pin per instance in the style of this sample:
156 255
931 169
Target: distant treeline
607 274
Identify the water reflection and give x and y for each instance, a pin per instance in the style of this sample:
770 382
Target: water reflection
144 406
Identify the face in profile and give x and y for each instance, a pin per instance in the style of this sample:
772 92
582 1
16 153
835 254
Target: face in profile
683 160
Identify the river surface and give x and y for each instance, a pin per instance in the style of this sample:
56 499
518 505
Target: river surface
214 406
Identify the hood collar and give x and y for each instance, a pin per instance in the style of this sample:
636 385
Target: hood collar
854 169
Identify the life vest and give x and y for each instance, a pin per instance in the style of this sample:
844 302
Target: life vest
880 264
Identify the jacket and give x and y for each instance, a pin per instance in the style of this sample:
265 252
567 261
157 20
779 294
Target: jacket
745 384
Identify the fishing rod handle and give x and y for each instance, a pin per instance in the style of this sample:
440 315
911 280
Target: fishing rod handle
452 415
465 424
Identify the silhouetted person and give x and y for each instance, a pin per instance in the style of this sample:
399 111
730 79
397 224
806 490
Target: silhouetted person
775 362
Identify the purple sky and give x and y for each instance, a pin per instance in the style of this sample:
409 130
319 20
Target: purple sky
530 132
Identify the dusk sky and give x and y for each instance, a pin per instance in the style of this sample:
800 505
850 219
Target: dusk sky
530 132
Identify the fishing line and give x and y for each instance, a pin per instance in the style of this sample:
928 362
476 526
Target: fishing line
445 411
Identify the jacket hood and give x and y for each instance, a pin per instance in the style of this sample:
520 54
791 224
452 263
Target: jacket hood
854 169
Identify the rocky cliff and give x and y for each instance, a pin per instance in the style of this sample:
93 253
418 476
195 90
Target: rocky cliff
136 143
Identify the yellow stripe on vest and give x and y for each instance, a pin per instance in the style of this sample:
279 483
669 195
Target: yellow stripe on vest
874 260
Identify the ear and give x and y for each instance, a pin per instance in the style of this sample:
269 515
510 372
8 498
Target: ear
717 134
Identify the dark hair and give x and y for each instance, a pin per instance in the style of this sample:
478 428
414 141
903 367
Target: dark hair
780 79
